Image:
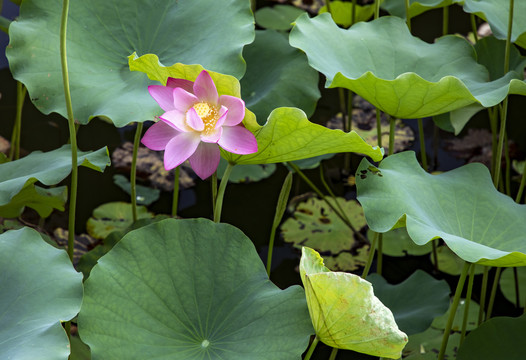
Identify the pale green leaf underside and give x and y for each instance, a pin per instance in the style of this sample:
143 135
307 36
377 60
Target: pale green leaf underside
460 206
345 313
398 73
101 36
39 288
190 289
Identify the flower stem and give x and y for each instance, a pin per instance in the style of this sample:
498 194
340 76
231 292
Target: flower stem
468 302
407 17
474 27
4 24
391 136
213 184
14 152
379 255
175 197
521 186
493 293
483 291
377 9
445 20
221 193
334 352
453 310
379 127
353 13
280 210
311 348
133 171
372 250
422 144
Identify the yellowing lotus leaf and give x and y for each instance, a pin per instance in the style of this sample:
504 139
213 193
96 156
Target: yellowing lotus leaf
345 313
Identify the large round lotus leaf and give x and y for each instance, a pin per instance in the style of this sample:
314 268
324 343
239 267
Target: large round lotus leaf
190 289
397 242
398 73
49 168
460 206
113 216
288 135
496 12
101 36
342 12
426 345
473 315
39 289
450 263
416 7
278 75
414 302
315 224
497 338
278 17
507 285
345 313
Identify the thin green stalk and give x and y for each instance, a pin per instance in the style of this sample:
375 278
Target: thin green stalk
521 186
350 96
133 174
474 27
493 122
334 352
483 291
379 127
517 291
331 193
468 302
353 12
493 293
4 24
324 198
343 109
380 255
328 3
435 254
214 191
377 9
311 348
422 144
14 152
175 195
453 310
221 193
372 250
445 20
407 17
507 176
391 135
280 210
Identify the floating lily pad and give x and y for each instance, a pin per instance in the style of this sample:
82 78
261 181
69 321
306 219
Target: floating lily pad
246 173
397 242
112 216
397 72
40 289
473 315
145 195
103 33
190 289
416 7
426 345
450 263
345 313
460 206
507 285
496 13
278 75
415 302
342 12
315 224
278 17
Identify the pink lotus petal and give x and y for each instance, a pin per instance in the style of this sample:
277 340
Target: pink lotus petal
176 119
180 148
163 95
194 121
158 135
222 117
181 83
238 140
205 160
183 100
205 89
236 109
212 137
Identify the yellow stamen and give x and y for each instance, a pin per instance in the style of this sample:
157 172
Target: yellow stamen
209 114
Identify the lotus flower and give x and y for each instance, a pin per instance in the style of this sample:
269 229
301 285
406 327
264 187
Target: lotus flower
195 123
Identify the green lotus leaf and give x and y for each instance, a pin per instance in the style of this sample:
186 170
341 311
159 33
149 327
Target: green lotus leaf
461 206
416 7
101 36
426 345
112 216
39 289
316 225
246 173
450 263
40 199
497 338
398 73
49 168
278 17
288 135
507 285
342 12
415 302
397 242
496 13
455 120
278 75
190 289
345 313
